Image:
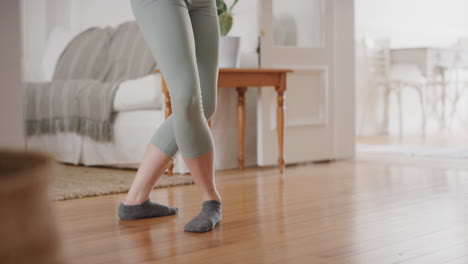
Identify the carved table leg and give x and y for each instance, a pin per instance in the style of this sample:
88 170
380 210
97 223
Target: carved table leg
280 121
241 123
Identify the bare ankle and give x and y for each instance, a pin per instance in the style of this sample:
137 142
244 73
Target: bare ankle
213 196
127 201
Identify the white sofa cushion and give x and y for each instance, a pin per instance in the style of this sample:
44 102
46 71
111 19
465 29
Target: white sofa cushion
134 94
139 94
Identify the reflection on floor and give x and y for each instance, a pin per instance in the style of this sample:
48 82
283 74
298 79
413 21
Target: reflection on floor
448 145
441 139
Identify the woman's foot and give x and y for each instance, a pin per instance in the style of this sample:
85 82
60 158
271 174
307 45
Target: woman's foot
145 210
207 219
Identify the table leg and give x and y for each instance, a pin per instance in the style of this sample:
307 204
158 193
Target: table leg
241 123
280 121
443 95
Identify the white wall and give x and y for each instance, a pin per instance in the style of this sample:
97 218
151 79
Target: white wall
413 23
409 23
87 13
11 92
34 30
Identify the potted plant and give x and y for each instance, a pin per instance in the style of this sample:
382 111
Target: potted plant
229 49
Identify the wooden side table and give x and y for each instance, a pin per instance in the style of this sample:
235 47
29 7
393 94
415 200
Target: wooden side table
241 79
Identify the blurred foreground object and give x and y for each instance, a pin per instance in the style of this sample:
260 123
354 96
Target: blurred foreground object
27 226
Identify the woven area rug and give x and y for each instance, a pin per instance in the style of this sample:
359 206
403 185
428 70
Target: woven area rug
73 182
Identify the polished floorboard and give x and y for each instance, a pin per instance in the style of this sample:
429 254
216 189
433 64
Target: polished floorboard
373 209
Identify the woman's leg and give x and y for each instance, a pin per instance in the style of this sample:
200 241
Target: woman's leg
157 156
205 27
166 27
153 165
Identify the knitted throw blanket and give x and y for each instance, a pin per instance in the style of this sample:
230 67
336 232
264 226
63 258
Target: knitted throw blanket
80 97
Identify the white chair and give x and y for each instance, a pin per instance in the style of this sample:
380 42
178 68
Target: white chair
393 78
460 70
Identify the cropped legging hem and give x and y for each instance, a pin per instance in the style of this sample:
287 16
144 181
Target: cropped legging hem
174 156
165 150
183 36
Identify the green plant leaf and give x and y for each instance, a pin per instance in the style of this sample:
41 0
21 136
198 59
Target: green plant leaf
221 6
225 23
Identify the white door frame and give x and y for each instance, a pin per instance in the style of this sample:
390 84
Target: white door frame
326 72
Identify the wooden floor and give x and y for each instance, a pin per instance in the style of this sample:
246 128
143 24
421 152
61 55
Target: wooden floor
458 138
373 209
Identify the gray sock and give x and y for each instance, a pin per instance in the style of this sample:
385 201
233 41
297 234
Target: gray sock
145 210
206 220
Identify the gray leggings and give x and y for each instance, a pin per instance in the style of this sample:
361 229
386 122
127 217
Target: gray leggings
183 36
